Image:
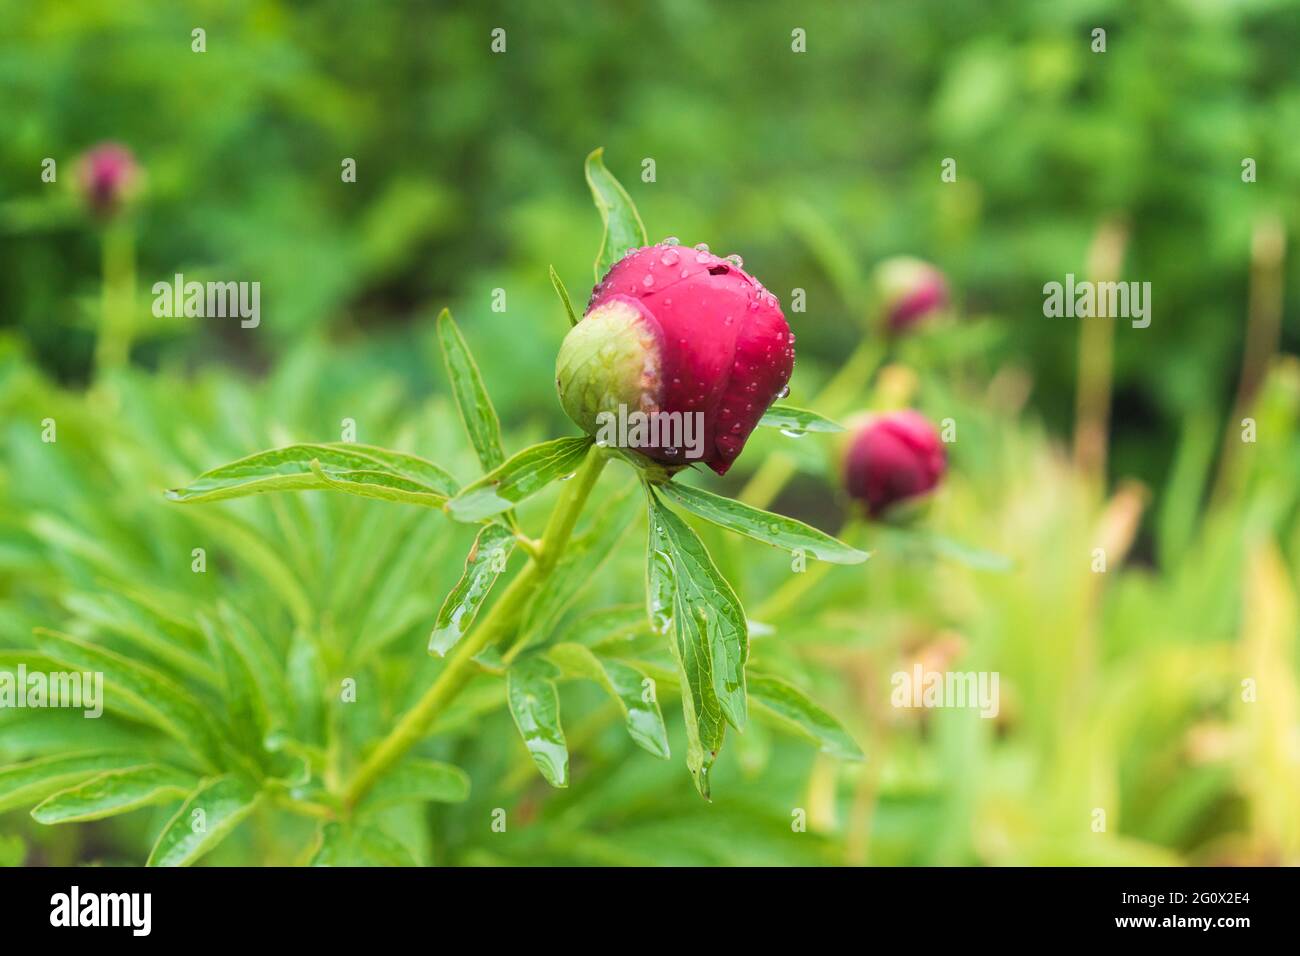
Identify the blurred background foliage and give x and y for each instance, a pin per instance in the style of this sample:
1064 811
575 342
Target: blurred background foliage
1120 691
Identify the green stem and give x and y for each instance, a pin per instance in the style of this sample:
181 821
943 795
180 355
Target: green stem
113 346
499 621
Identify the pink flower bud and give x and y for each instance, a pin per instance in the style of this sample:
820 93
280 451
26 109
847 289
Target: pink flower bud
108 175
675 330
910 291
893 457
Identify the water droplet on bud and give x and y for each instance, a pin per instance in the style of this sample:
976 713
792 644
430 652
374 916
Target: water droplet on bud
702 246
784 393
671 241
648 281
670 257
735 260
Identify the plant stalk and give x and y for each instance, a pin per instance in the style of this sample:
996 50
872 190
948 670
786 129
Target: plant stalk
495 625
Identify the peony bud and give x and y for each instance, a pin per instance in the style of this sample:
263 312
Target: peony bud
108 175
910 291
683 332
893 457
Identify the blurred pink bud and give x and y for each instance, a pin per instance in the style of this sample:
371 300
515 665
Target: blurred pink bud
910 291
108 175
894 457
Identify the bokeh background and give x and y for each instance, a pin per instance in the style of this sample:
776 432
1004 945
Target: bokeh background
1122 690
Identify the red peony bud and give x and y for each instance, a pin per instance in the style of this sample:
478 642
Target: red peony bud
910 292
893 457
108 175
673 330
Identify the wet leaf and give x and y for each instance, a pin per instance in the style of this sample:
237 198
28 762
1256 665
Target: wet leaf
797 422
623 226
776 530
486 560
535 707
31 782
624 683
357 469
521 476
472 401
705 723
114 792
795 708
224 802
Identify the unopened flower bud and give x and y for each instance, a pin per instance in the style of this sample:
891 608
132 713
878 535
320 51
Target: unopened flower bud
892 458
107 176
909 291
685 338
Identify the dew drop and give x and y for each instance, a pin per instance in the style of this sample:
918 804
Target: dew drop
702 246
648 281
729 320
702 256
784 393
671 241
736 261
670 257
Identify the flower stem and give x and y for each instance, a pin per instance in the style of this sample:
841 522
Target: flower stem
113 346
498 623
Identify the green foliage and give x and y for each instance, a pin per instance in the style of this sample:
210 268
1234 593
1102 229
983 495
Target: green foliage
252 687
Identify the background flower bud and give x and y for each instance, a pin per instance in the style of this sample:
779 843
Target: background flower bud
893 457
680 330
107 177
909 291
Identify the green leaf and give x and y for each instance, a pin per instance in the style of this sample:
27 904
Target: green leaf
535 707
797 422
418 781
476 411
28 783
623 682
707 612
563 293
705 724
146 693
257 674
114 792
522 475
794 708
486 560
224 802
623 226
357 469
407 465
776 530
359 845
113 613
